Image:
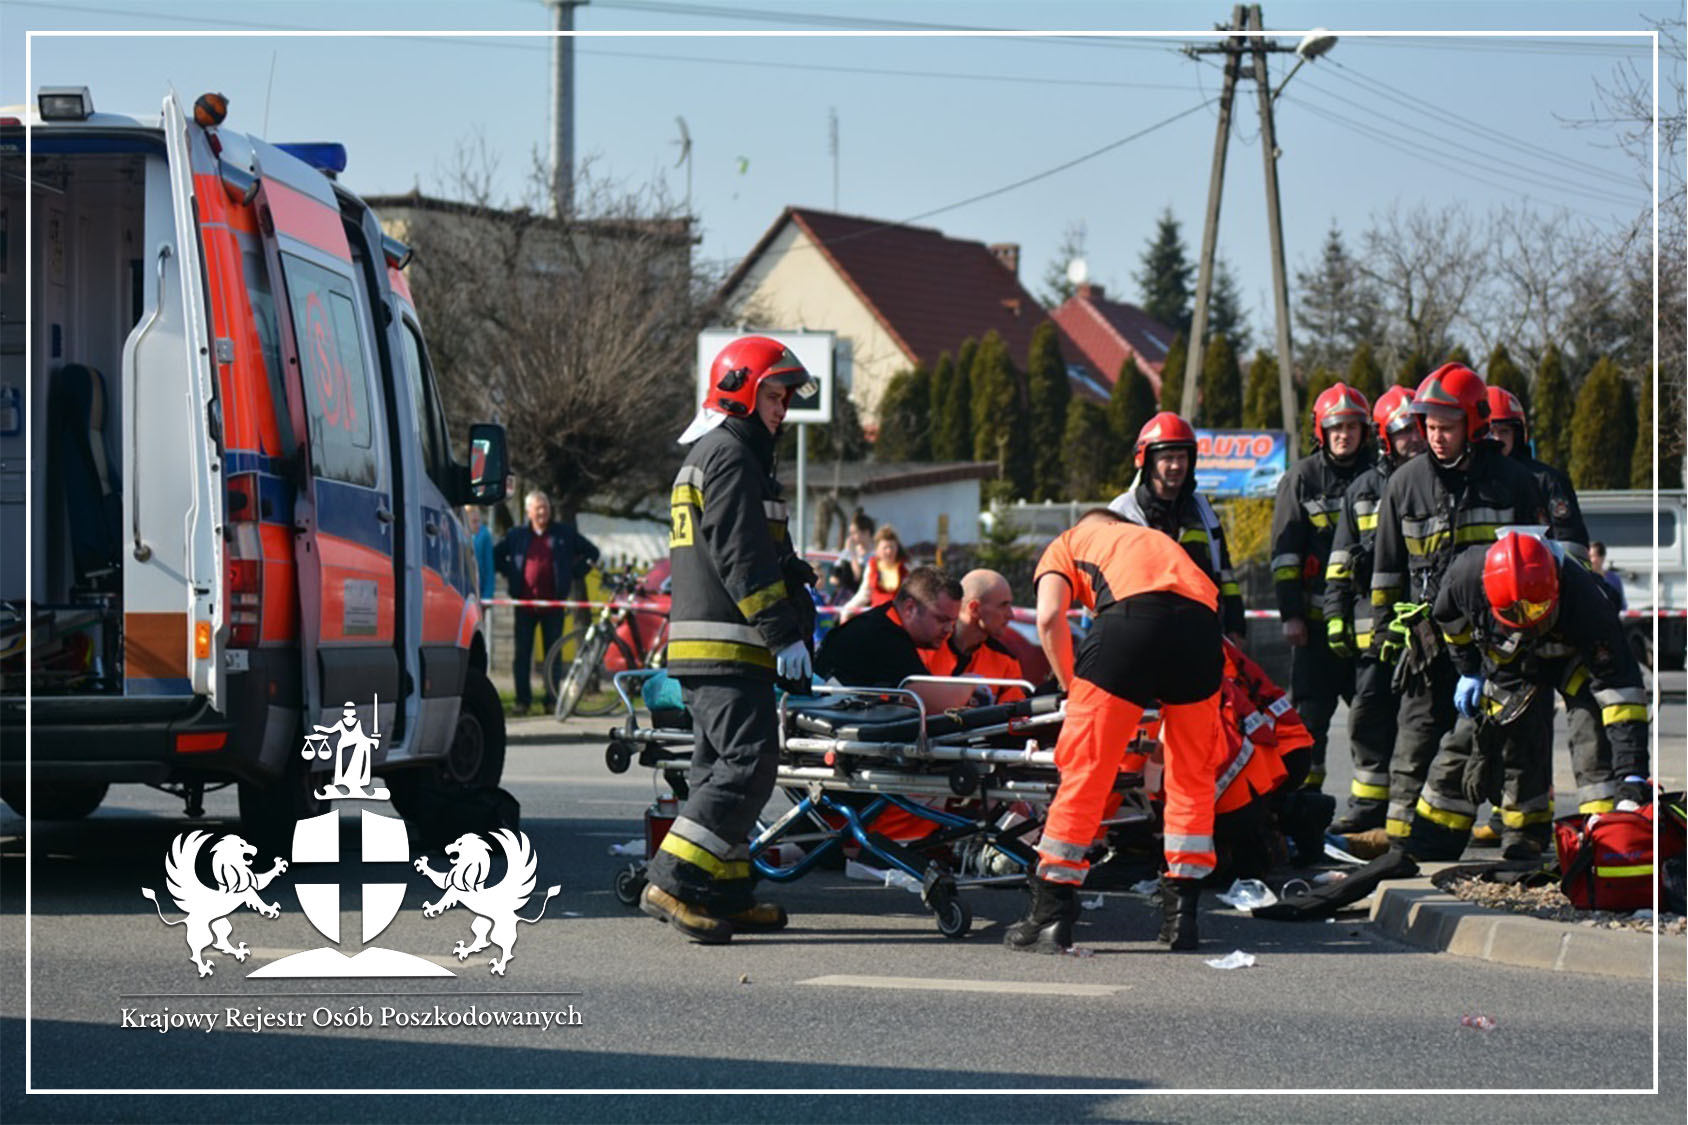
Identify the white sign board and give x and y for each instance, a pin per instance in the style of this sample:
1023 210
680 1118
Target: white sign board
814 349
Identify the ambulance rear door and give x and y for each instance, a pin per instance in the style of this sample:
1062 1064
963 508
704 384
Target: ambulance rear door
344 517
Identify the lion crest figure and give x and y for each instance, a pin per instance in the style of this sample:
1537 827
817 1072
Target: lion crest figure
494 907
207 908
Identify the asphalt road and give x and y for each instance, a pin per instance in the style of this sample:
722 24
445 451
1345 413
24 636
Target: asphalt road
860 994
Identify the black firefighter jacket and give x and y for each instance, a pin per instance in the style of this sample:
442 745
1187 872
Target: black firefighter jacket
1304 519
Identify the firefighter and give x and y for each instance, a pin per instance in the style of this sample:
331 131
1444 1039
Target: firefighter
1435 506
1303 523
740 618
1348 614
1521 621
1163 496
1511 431
1156 638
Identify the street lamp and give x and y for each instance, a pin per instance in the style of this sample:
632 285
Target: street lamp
1313 45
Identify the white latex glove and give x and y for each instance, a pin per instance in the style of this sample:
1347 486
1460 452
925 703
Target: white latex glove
792 663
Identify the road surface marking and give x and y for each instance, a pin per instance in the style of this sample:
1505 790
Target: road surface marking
940 984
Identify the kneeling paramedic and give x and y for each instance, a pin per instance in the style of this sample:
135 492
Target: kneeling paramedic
1156 638
740 617
1520 621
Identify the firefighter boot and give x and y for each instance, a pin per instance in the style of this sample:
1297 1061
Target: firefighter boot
758 918
1048 924
1178 899
689 918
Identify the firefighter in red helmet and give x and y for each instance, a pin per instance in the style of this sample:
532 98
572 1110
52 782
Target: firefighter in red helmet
1520 621
1348 613
1163 496
1454 497
740 618
1304 518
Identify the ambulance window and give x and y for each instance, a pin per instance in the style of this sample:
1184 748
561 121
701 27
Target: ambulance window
422 395
335 378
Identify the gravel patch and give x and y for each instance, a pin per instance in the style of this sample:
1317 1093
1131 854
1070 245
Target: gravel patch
1550 902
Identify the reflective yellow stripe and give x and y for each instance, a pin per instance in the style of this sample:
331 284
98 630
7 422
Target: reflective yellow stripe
1577 680
1622 872
1604 805
1475 533
1193 535
686 494
720 650
1623 713
1230 589
1456 638
1363 639
1287 573
699 857
1338 570
1398 827
1384 595
1367 522
1512 818
1459 822
1322 520
1431 544
1368 792
752 604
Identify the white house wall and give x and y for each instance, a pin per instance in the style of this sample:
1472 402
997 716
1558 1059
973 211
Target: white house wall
914 512
794 285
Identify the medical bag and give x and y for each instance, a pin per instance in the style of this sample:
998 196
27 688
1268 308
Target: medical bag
1606 859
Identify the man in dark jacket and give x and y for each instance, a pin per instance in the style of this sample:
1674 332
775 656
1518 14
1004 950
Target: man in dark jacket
741 616
882 647
1304 519
540 560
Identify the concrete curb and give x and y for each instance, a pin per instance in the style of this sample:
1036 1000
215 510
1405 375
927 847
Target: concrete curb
529 730
1414 911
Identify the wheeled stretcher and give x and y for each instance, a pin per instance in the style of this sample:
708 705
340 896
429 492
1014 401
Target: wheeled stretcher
977 780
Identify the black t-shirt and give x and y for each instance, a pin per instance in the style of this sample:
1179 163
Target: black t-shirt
871 650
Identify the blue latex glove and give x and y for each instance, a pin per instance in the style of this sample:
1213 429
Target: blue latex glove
1468 695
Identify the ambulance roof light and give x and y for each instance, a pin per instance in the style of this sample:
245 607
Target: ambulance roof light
327 157
65 103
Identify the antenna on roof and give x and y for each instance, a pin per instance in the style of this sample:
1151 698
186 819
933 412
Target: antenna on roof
685 157
267 88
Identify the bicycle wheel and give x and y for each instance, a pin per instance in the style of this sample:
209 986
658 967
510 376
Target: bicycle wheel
575 670
560 656
599 697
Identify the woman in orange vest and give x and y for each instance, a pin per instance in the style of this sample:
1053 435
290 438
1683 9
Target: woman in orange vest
882 574
1155 639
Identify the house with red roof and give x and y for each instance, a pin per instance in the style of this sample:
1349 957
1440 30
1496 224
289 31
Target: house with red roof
901 295
1105 332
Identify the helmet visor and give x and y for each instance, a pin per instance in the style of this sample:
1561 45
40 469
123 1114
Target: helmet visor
1525 614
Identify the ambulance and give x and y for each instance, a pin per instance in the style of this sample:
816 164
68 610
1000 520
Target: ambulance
228 496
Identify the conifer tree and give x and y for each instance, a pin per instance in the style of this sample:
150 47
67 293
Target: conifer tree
1603 430
1262 405
1410 372
1222 386
1225 314
1364 373
1458 354
942 387
1172 375
1129 409
1641 463
904 424
958 412
1047 394
1550 418
1090 452
1164 279
1503 372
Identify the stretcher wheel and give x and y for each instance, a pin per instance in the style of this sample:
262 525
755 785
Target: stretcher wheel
630 884
954 918
618 756
963 778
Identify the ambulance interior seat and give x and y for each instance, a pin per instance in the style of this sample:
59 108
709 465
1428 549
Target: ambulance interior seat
86 467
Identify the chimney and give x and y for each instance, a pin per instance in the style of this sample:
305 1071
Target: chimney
1090 291
1008 253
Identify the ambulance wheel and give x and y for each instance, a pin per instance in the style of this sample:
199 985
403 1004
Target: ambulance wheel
963 778
58 800
630 884
954 918
476 757
618 757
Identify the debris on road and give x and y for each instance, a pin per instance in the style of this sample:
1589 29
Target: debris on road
1481 1023
1246 894
1549 902
1234 960
631 847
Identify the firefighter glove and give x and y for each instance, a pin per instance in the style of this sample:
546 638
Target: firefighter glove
1468 696
1339 634
792 663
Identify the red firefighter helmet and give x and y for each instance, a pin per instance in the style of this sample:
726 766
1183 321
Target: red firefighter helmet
1393 412
1505 407
744 365
1164 429
1338 403
1454 386
1521 579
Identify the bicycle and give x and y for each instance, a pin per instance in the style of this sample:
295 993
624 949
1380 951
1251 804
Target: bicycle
580 667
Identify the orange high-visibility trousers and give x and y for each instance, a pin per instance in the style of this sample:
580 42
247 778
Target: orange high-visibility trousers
1098 728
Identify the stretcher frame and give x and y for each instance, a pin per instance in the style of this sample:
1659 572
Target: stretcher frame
815 771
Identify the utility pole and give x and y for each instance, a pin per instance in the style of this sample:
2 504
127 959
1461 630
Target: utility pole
1312 45
1210 227
1275 232
562 106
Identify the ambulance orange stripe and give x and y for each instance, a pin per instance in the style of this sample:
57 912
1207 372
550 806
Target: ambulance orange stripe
306 219
155 645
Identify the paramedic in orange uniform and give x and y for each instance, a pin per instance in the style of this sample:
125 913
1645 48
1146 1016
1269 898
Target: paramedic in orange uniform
1155 639
976 646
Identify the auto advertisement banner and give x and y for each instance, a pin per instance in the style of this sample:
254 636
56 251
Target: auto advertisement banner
1240 462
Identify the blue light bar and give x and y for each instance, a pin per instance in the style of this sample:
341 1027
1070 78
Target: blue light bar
328 157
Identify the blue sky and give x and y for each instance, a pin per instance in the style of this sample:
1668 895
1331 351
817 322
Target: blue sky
1421 119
